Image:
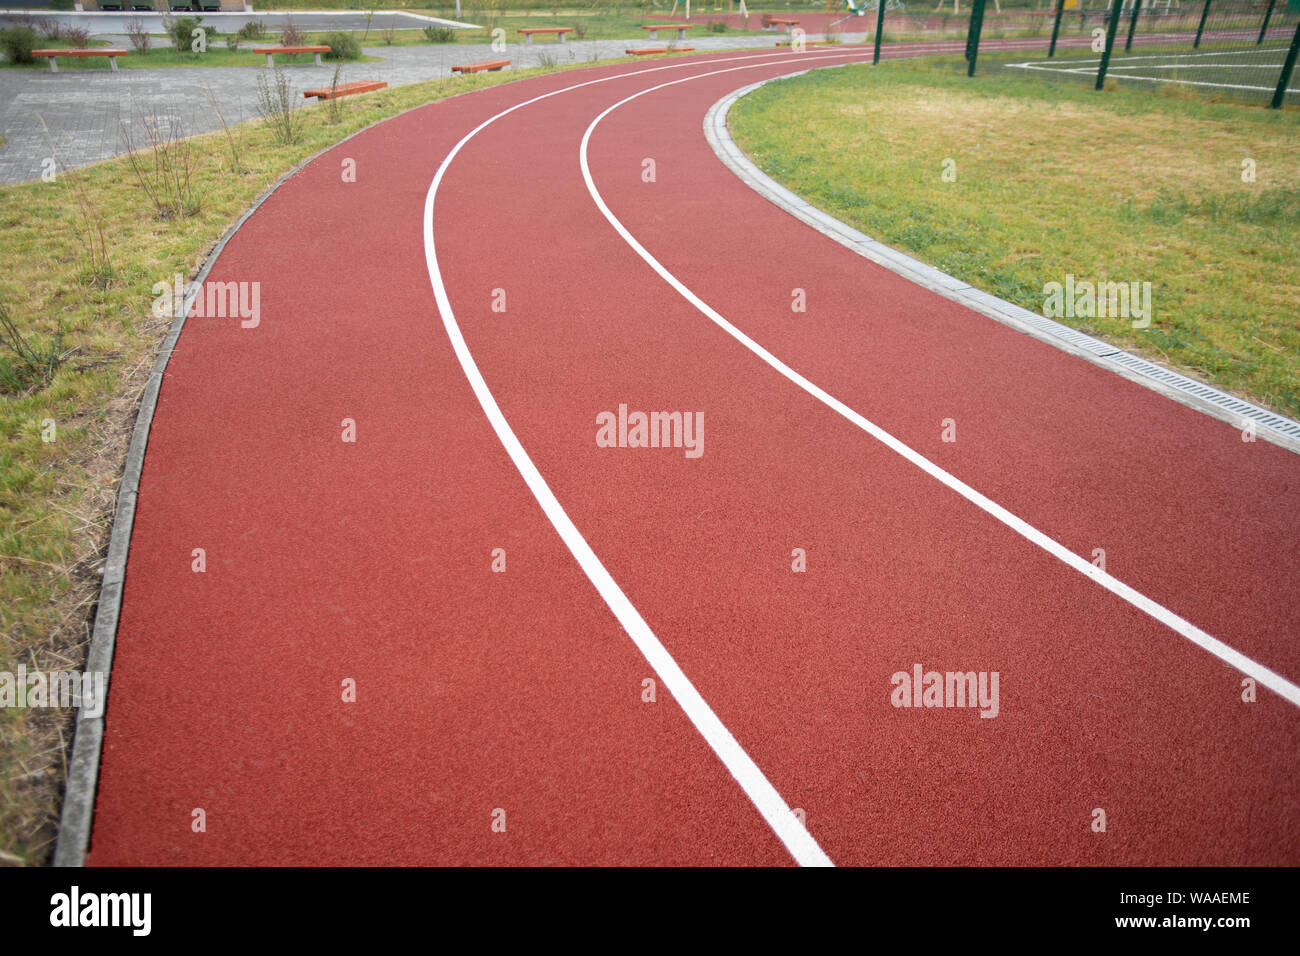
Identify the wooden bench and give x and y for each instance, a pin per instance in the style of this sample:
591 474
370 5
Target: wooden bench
54 54
271 51
681 29
346 89
649 51
771 23
481 65
558 31
806 43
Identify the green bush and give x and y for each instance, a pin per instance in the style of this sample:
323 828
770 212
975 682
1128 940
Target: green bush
18 43
436 34
343 46
181 31
252 30
717 26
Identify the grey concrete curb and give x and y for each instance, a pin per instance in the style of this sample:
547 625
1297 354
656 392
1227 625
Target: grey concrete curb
1237 412
83 768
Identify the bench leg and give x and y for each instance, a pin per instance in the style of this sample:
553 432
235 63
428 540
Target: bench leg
654 34
54 67
528 38
270 63
112 63
561 36
318 62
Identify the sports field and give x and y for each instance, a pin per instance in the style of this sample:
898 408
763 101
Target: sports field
1249 72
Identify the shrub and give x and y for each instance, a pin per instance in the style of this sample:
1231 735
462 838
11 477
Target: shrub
29 362
232 42
47 27
138 35
390 35
181 30
164 166
252 30
717 26
290 35
275 104
343 46
436 34
18 43
77 37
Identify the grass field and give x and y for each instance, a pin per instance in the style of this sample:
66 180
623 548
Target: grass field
1055 180
57 496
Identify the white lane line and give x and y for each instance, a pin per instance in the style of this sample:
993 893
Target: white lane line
760 791
1252 668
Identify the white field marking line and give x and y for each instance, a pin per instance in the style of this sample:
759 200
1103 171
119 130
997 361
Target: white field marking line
801 844
1263 675
1186 56
1151 79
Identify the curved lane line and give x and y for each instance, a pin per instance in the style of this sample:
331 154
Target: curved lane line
801 844
1225 652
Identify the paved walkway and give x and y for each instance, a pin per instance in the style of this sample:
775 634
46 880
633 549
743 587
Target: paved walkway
86 112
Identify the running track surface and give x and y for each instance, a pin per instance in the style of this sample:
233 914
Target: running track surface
522 691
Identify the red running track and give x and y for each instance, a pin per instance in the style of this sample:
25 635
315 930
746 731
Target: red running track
522 691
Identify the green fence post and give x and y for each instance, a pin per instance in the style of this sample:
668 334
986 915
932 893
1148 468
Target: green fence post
1110 43
1201 29
1132 24
1268 14
973 35
880 28
1287 67
1056 28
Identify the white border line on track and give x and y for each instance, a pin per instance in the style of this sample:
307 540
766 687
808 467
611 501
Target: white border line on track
801 844
1252 668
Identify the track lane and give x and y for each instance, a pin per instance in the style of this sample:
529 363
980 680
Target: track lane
795 662
327 560
1039 430
585 336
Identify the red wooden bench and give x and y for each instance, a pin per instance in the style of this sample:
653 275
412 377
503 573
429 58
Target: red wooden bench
648 51
346 89
772 22
559 31
102 51
681 29
479 66
270 52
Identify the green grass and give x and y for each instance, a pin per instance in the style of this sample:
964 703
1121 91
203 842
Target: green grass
57 498
1053 179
